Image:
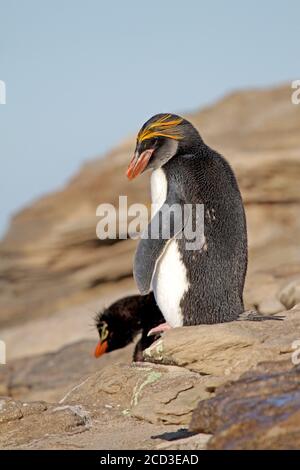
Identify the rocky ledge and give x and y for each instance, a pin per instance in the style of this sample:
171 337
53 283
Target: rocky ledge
200 387
225 386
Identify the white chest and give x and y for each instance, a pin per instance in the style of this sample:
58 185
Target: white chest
159 189
169 282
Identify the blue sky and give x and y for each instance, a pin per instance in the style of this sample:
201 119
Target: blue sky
82 74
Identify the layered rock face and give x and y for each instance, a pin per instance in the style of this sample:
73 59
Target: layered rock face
259 411
200 387
51 258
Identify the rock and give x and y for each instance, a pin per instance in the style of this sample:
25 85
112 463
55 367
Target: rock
114 395
51 258
197 365
9 410
227 349
197 442
49 376
171 398
259 411
157 394
72 427
290 294
35 420
118 396
270 306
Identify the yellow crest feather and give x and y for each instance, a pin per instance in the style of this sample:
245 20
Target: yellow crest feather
162 128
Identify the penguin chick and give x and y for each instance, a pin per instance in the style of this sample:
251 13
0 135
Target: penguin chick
122 321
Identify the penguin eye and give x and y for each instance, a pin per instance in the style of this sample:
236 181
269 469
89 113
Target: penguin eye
103 332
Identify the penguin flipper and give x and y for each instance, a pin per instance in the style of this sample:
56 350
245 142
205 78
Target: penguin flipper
166 225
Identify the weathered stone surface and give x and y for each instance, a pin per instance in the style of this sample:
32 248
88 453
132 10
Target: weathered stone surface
51 258
289 296
259 411
21 423
9 410
108 399
49 376
206 357
228 349
171 397
71 427
270 306
197 442
157 394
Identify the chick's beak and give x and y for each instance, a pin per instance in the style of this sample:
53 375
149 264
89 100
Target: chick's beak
101 348
139 163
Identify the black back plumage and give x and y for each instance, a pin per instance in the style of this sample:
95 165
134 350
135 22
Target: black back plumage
216 273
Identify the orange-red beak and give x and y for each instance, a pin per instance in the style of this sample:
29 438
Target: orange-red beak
139 163
101 348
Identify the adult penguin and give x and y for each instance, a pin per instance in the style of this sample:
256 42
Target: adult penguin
191 286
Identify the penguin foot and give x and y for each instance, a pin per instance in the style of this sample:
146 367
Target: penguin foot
159 329
253 315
